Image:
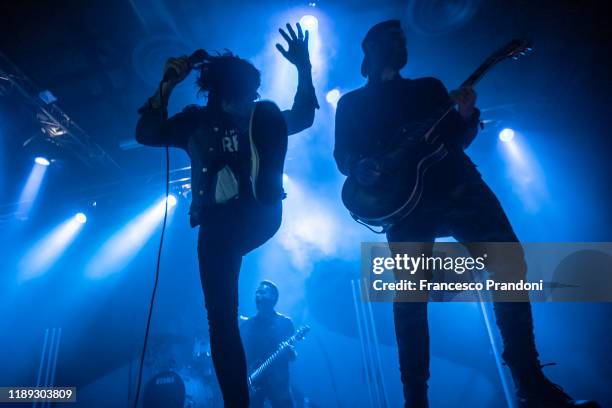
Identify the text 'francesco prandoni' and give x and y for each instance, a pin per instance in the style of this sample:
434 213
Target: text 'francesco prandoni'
404 263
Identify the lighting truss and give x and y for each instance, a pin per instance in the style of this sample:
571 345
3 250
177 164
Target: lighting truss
56 126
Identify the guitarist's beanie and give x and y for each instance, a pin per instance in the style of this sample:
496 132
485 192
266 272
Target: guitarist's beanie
374 36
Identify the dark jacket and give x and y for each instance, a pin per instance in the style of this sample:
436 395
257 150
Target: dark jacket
261 336
212 140
368 118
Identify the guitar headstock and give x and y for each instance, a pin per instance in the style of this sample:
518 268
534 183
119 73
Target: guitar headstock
514 50
301 332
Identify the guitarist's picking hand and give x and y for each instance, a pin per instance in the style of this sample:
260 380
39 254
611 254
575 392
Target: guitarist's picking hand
465 98
367 171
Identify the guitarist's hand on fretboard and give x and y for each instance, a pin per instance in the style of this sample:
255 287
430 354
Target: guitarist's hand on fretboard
465 98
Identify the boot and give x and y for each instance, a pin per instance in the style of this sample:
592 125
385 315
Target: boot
534 390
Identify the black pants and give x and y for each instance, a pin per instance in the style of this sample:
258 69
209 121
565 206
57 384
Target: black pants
223 240
472 214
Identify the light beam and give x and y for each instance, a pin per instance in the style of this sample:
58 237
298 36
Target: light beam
45 253
123 246
31 188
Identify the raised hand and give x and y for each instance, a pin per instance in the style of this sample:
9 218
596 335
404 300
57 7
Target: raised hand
297 46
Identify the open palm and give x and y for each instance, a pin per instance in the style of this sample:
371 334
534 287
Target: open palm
297 46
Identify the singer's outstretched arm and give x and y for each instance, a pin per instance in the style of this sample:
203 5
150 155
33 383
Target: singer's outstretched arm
301 115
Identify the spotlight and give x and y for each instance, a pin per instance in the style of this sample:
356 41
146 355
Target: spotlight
80 218
185 190
309 22
506 135
171 200
42 161
47 97
333 97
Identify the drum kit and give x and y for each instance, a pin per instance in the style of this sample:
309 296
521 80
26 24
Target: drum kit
180 374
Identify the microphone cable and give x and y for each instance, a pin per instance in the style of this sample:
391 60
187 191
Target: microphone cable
198 57
156 281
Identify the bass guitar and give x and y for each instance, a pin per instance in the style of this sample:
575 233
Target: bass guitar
399 192
261 368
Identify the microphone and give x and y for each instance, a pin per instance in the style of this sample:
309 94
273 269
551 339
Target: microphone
197 57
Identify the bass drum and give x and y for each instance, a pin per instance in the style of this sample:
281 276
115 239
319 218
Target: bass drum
180 389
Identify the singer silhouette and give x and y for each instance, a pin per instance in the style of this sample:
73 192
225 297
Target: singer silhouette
237 148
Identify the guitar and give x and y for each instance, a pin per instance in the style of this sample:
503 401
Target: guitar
261 368
418 149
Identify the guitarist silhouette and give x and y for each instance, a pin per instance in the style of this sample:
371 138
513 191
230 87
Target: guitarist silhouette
454 201
262 334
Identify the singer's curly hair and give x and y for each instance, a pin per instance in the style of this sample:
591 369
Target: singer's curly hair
226 76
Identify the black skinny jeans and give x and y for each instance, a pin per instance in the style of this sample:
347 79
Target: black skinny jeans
229 234
470 213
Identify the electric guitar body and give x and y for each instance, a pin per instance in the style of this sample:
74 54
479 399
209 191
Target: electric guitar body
395 197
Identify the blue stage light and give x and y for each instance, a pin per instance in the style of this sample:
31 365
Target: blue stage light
310 23
523 169
123 246
333 97
45 253
313 232
506 135
80 218
42 161
31 188
171 201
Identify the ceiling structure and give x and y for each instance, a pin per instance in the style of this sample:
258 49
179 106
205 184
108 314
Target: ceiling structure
101 59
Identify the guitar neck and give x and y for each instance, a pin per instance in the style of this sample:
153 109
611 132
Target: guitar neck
478 74
273 357
471 81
